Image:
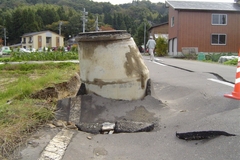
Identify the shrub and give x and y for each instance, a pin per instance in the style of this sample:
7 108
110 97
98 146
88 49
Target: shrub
161 46
74 48
215 56
231 62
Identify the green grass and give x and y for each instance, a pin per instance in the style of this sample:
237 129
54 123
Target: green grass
40 56
31 77
19 113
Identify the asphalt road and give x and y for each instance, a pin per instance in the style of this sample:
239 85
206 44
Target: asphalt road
194 102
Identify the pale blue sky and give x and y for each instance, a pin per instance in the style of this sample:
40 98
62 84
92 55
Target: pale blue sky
155 1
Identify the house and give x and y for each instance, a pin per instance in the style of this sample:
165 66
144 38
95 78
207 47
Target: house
208 27
42 39
160 30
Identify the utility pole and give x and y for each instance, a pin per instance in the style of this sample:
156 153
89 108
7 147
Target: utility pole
84 18
5 37
97 28
144 37
60 27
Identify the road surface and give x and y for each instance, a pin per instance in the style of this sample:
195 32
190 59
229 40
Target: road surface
192 92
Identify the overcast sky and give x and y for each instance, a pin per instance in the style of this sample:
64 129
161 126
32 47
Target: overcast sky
155 1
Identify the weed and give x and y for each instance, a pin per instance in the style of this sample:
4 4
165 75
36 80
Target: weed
231 62
215 56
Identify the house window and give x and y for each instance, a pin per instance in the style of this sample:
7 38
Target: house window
48 40
30 40
24 40
219 39
219 19
172 21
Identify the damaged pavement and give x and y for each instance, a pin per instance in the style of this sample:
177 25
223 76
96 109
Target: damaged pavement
95 114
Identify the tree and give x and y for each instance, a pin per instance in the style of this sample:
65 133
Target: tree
29 21
139 36
121 22
49 16
15 25
75 24
115 21
108 19
62 14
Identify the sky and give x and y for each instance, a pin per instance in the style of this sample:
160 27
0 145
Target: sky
155 1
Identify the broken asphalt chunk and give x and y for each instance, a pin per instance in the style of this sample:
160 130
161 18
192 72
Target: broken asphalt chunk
199 135
131 127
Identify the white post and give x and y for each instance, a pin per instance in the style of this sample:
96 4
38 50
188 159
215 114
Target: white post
144 37
60 24
97 29
5 37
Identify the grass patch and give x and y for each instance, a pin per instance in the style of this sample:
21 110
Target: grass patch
41 56
20 115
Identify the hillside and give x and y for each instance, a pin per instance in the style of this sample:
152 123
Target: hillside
25 16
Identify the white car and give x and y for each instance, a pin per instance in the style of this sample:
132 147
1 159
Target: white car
43 49
31 49
24 50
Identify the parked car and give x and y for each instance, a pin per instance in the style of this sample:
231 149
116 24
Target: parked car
6 50
44 49
24 50
0 52
66 49
31 49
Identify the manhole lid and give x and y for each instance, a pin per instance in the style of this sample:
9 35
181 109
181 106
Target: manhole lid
103 36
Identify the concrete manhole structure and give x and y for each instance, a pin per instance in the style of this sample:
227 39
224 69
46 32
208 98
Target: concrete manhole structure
115 84
111 65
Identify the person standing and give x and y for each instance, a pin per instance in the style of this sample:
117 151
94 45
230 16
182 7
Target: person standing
151 46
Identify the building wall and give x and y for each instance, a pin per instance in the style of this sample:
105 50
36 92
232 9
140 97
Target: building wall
195 30
54 40
26 43
35 42
162 29
43 35
172 31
